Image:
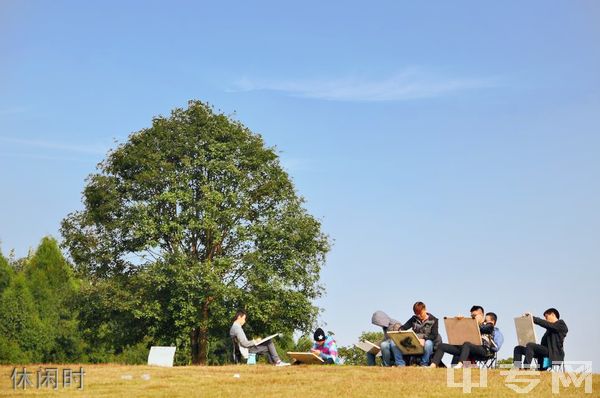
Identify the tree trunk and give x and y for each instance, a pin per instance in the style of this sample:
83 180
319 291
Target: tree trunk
199 337
194 337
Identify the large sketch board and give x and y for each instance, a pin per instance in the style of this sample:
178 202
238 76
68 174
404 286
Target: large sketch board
462 330
525 330
407 341
367 346
306 357
161 356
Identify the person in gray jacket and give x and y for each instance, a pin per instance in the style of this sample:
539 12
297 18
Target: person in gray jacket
387 346
237 334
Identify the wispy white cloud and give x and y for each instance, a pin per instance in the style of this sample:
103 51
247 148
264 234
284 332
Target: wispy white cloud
57 146
409 84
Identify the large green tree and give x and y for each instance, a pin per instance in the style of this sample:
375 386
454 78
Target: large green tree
197 216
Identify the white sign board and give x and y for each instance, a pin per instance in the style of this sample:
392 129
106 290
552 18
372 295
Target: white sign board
161 356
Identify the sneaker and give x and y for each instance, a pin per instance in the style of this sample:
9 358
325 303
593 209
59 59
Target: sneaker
281 363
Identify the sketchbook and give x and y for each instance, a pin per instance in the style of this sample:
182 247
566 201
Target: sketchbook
367 346
462 330
259 342
525 330
407 341
305 358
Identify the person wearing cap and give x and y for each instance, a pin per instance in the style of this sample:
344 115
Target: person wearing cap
325 347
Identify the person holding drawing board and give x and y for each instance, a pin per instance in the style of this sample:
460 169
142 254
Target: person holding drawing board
425 327
325 347
495 343
467 349
551 345
253 347
387 346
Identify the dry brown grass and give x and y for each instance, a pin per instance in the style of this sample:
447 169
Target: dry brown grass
269 381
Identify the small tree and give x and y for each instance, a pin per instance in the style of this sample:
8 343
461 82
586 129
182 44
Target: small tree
197 213
53 287
353 355
20 325
6 273
38 318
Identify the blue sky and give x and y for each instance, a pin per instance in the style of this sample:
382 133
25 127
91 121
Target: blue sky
450 149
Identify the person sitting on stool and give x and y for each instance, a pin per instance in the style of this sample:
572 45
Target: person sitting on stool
237 333
552 341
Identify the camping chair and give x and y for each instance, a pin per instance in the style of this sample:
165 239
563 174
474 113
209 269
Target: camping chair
238 355
548 365
490 362
553 367
559 367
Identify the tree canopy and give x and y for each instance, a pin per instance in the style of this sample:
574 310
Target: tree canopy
188 220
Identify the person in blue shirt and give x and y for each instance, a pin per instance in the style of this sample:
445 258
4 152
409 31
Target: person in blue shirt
498 336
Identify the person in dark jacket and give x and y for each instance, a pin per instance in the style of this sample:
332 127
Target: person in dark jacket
467 350
551 345
425 327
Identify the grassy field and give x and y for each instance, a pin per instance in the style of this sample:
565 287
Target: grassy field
268 381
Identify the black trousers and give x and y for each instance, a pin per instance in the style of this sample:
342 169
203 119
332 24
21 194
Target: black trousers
442 349
470 350
531 350
460 352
